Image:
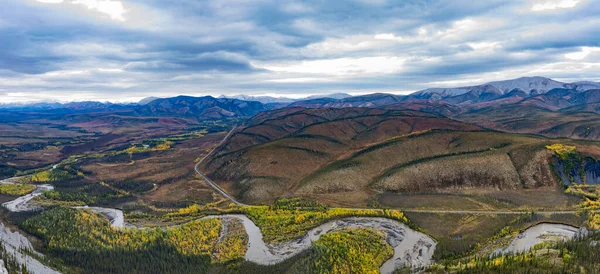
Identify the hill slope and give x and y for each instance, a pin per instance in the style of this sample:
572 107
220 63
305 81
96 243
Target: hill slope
268 158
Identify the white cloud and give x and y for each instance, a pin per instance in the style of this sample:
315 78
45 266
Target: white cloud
296 7
483 46
301 48
556 4
341 66
353 43
580 55
299 80
388 36
372 2
308 26
50 1
62 73
112 8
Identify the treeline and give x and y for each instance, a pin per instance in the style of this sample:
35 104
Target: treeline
345 251
86 240
16 189
288 219
579 255
10 263
289 223
54 175
348 251
294 203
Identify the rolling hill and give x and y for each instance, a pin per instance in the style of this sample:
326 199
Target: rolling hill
269 158
350 156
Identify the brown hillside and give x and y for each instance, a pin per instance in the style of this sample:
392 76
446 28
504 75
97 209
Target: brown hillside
528 119
268 159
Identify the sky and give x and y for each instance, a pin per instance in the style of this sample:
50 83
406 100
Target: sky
125 50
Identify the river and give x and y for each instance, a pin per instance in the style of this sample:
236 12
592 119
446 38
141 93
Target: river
410 247
541 233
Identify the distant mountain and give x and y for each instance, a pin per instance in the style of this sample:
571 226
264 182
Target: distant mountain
530 85
147 100
314 103
333 95
271 100
563 98
369 100
83 106
586 85
492 93
527 85
262 99
206 107
538 92
31 106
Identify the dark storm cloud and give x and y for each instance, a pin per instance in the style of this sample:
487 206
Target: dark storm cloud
166 48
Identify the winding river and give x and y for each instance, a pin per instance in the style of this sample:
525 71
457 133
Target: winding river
540 233
22 203
410 247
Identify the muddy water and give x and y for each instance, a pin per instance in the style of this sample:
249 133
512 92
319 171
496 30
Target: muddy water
540 233
115 216
410 247
22 203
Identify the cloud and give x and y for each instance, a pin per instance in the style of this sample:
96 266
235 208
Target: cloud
112 8
556 4
580 55
296 7
50 1
341 66
120 49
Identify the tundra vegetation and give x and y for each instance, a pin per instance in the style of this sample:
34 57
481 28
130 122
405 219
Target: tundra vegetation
16 189
347 251
389 159
579 255
85 242
287 219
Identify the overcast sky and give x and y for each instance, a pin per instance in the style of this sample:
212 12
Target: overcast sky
125 50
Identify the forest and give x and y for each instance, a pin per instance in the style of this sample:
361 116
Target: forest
347 251
16 189
289 219
580 255
85 242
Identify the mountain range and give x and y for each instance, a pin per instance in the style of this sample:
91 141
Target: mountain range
432 141
527 85
271 99
499 91
525 105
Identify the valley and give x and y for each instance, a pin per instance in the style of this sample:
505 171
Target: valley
221 185
299 137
